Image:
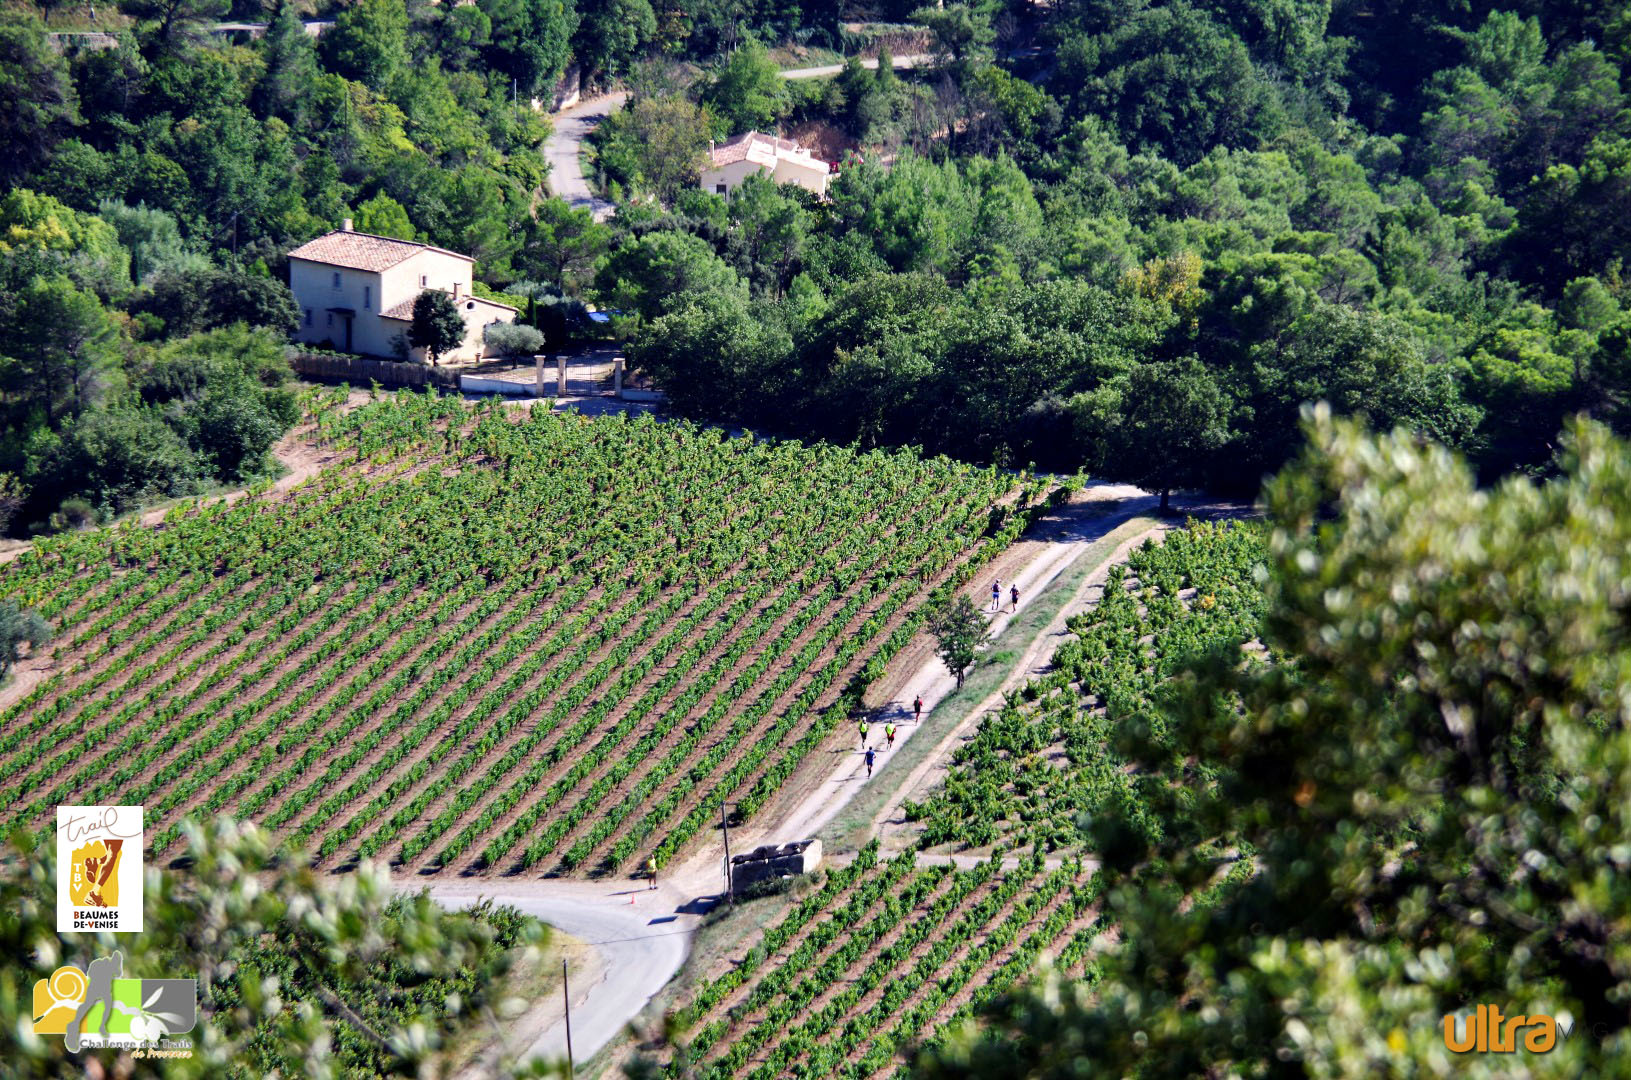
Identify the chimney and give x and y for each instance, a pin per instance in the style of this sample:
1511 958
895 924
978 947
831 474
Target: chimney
345 225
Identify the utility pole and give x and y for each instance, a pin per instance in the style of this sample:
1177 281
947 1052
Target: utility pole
566 996
725 823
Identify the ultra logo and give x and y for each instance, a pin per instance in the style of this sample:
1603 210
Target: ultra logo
1488 1032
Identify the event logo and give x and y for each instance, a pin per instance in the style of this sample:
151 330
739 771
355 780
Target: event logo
99 868
97 1008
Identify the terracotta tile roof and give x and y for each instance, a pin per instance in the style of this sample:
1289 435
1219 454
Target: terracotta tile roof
362 251
404 310
738 148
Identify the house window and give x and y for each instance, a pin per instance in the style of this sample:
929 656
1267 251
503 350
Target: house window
719 189
308 316
331 318
421 281
367 296
471 306
336 279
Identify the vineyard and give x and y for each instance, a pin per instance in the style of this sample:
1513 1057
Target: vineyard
882 955
1048 757
485 643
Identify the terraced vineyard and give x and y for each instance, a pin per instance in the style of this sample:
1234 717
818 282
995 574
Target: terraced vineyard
883 955
483 643
1033 769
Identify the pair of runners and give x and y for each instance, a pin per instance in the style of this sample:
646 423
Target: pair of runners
996 595
888 731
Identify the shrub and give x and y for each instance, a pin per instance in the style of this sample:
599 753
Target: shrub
510 339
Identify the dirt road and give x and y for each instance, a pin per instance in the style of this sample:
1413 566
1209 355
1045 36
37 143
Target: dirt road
933 682
642 944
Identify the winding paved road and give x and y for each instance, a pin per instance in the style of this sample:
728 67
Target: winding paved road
564 152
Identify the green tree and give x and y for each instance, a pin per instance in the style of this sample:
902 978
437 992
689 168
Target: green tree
18 626
612 33
114 458
58 237
187 300
962 32
298 972
153 238
437 326
530 41
368 42
960 631
1156 426
60 349
170 28
39 105
384 216
1430 776
291 66
747 93
661 269
562 244
715 358
657 145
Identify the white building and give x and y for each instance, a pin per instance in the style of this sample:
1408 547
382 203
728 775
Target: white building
782 160
356 293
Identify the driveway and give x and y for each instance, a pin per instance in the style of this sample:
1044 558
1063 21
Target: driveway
564 151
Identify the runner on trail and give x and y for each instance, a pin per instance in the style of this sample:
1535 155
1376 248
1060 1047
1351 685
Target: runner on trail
917 709
864 729
869 755
996 594
1013 591
651 871
889 733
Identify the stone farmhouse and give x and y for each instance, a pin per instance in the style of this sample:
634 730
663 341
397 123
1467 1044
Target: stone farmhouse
356 292
782 160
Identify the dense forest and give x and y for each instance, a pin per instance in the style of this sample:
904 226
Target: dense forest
1137 236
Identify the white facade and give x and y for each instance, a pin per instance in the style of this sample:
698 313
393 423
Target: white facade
356 291
781 160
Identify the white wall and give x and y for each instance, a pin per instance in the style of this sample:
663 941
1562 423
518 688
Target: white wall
446 272
315 293
809 174
730 175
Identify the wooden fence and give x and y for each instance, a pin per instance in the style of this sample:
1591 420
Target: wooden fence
361 372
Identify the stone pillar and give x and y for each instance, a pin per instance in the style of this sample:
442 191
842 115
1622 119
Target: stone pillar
538 376
560 376
617 376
